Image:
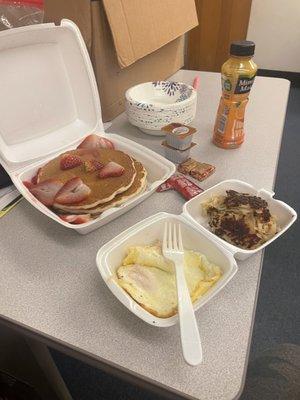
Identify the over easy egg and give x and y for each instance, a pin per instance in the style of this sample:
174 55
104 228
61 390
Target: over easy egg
150 280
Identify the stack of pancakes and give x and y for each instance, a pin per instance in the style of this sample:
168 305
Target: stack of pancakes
105 193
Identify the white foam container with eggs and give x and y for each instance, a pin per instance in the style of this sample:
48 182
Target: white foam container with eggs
110 257
49 103
285 214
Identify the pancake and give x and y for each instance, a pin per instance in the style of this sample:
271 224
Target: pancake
139 184
102 190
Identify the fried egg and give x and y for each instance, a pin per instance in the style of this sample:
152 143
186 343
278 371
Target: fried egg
149 256
150 279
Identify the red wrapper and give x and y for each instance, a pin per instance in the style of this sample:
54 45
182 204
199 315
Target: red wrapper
185 187
182 185
167 185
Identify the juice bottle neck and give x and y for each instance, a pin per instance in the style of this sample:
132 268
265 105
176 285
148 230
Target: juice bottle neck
244 58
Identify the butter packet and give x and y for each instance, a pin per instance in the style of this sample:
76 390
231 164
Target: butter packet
196 169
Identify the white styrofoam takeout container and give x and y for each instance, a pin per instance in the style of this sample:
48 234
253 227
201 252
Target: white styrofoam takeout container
110 257
49 102
285 214
196 236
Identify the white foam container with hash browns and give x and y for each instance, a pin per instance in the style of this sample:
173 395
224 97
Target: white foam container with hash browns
49 103
285 215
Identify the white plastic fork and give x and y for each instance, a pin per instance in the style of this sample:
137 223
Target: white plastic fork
190 338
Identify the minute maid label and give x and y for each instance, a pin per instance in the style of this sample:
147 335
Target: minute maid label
244 84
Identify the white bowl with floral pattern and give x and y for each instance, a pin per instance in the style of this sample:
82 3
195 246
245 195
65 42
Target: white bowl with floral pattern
152 105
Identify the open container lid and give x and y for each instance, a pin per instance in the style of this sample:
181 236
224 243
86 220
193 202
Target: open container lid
49 97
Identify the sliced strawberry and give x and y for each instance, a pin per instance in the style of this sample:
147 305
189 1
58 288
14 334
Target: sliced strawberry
46 191
35 177
76 219
110 170
96 142
90 154
92 165
69 161
106 144
28 184
90 142
74 191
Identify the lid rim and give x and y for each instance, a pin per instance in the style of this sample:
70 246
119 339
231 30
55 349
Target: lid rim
242 48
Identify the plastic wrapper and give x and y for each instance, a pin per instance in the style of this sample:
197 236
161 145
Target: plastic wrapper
14 14
182 185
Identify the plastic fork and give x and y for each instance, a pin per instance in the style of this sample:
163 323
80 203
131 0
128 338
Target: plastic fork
190 338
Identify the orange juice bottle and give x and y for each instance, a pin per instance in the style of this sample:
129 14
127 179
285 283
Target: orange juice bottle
238 74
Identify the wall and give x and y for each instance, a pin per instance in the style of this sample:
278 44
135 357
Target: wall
220 23
275 28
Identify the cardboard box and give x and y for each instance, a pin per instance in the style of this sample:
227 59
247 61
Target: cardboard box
130 41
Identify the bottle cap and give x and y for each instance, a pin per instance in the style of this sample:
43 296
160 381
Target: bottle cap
242 48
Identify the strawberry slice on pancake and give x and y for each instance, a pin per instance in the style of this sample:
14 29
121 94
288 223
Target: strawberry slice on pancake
46 191
75 219
92 165
96 142
34 179
28 184
110 170
69 161
72 192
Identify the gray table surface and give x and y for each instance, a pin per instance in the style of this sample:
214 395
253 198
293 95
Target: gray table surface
49 282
